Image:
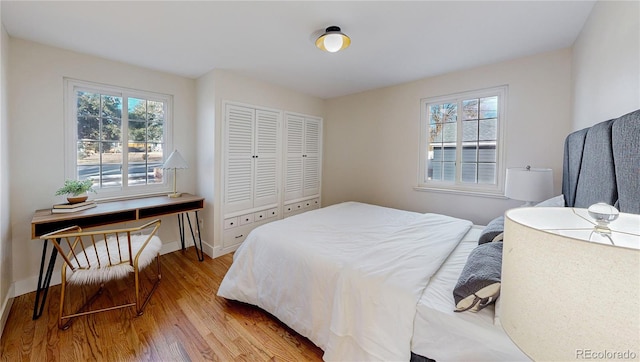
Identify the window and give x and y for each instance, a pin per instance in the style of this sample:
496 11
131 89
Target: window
116 137
461 141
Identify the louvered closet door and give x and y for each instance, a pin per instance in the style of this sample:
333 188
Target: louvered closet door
312 152
294 165
266 158
238 186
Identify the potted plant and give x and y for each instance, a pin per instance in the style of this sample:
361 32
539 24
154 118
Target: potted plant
76 190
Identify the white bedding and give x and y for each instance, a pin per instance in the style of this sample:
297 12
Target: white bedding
441 334
347 276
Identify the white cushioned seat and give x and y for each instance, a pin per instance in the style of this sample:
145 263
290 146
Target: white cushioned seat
102 272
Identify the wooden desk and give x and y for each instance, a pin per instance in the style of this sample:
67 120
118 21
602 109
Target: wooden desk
107 213
112 212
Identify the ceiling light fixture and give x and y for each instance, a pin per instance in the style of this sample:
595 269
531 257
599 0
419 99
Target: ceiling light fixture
333 40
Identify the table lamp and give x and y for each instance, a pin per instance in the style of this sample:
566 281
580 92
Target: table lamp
529 184
564 295
174 162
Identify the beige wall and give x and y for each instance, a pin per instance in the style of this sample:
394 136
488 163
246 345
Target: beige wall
372 139
606 64
206 161
223 85
5 196
36 134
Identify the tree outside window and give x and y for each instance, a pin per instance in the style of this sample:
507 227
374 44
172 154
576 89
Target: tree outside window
119 150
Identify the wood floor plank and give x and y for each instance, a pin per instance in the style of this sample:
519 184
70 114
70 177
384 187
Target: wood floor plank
184 321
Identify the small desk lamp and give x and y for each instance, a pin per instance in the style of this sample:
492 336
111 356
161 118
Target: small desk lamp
174 162
529 184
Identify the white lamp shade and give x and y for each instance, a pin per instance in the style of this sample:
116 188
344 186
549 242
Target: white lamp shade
529 184
564 298
175 161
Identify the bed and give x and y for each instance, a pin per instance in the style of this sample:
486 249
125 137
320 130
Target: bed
365 282
346 276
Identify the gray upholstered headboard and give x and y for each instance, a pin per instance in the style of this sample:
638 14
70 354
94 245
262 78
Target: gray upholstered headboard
602 164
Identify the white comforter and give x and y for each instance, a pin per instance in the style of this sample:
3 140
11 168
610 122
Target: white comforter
348 276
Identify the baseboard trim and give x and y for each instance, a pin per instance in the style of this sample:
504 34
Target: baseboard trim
6 308
227 250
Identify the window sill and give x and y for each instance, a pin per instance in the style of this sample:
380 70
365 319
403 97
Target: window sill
476 193
131 197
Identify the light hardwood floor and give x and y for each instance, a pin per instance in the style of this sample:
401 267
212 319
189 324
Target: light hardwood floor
184 321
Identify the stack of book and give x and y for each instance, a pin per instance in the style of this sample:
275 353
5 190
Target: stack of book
68 207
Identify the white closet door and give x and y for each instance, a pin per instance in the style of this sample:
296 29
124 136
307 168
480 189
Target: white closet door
311 156
267 140
239 152
293 185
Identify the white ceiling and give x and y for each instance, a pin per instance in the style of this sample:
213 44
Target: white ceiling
392 41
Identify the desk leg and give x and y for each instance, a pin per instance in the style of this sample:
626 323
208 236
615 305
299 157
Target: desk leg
181 229
181 226
200 252
43 285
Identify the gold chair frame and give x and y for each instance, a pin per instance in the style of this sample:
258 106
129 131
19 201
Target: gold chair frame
77 242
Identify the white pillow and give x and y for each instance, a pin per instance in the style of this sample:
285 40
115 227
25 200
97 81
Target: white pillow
557 201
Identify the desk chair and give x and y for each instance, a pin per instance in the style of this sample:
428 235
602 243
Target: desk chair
88 259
